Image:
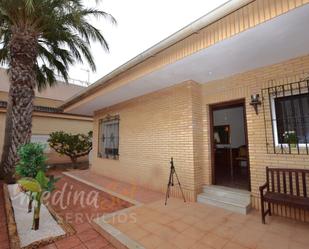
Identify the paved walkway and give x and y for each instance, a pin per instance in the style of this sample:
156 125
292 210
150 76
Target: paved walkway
79 214
79 211
131 191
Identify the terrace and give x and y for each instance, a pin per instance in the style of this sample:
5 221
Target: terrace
147 223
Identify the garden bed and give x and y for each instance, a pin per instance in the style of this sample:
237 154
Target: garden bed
52 226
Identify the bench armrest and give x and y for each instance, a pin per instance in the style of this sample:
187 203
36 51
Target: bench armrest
263 187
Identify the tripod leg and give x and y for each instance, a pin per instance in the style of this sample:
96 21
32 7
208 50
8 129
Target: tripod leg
168 188
183 196
167 194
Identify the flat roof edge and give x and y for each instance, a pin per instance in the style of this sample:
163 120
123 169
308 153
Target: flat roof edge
202 22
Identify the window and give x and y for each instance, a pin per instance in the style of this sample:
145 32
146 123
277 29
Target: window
286 116
292 119
109 138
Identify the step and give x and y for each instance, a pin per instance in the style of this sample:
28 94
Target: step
225 192
231 199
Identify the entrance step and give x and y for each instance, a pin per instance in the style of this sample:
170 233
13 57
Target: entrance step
234 200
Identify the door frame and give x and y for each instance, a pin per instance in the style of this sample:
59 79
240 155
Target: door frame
223 105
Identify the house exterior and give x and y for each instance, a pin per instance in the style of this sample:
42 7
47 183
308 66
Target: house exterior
225 97
48 117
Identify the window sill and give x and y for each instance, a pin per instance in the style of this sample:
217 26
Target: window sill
109 158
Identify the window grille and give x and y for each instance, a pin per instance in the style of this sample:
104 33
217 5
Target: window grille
286 117
109 137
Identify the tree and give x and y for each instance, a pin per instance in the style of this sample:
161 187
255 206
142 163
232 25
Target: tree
37 186
73 146
31 161
39 39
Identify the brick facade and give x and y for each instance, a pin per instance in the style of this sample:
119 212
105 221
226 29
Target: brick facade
153 128
175 122
242 86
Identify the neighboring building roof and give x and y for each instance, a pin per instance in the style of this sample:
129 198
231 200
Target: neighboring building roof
46 102
3 104
61 91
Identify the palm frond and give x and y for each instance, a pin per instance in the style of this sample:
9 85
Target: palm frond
63 30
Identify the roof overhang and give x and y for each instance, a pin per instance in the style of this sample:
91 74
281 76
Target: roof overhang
279 39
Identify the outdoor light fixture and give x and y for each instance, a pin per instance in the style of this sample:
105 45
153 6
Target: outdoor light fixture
255 102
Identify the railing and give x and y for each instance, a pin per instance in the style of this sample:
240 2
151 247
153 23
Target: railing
73 81
286 118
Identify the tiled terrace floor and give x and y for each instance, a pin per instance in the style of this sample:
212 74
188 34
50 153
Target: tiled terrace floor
182 225
178 225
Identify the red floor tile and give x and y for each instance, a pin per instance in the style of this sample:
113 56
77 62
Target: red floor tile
68 243
97 243
50 246
88 235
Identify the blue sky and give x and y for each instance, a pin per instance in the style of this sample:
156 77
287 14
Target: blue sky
141 24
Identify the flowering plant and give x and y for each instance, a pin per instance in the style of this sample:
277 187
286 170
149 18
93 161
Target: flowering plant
290 137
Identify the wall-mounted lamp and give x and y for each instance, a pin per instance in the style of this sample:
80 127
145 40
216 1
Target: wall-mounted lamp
255 102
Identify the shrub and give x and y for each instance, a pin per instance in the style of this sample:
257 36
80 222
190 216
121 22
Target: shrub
73 146
31 161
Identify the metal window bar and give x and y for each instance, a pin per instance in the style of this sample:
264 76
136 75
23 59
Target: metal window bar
109 138
292 120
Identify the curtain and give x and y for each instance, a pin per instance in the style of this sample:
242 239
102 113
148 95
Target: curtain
109 132
292 115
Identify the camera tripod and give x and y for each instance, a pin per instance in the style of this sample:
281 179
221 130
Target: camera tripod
171 182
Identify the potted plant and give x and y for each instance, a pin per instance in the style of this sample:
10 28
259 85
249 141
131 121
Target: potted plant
290 137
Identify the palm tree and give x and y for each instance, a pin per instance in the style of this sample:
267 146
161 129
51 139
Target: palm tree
39 39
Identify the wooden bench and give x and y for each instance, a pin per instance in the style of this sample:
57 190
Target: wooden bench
287 187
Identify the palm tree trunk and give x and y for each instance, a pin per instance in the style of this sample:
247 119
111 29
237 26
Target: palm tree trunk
30 202
36 213
23 55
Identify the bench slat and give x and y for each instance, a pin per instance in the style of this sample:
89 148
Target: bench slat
291 182
284 183
297 184
272 181
290 200
278 182
304 184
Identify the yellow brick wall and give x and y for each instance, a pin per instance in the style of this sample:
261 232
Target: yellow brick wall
242 86
153 128
175 122
46 125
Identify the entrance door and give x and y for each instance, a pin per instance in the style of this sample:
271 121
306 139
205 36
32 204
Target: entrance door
229 145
